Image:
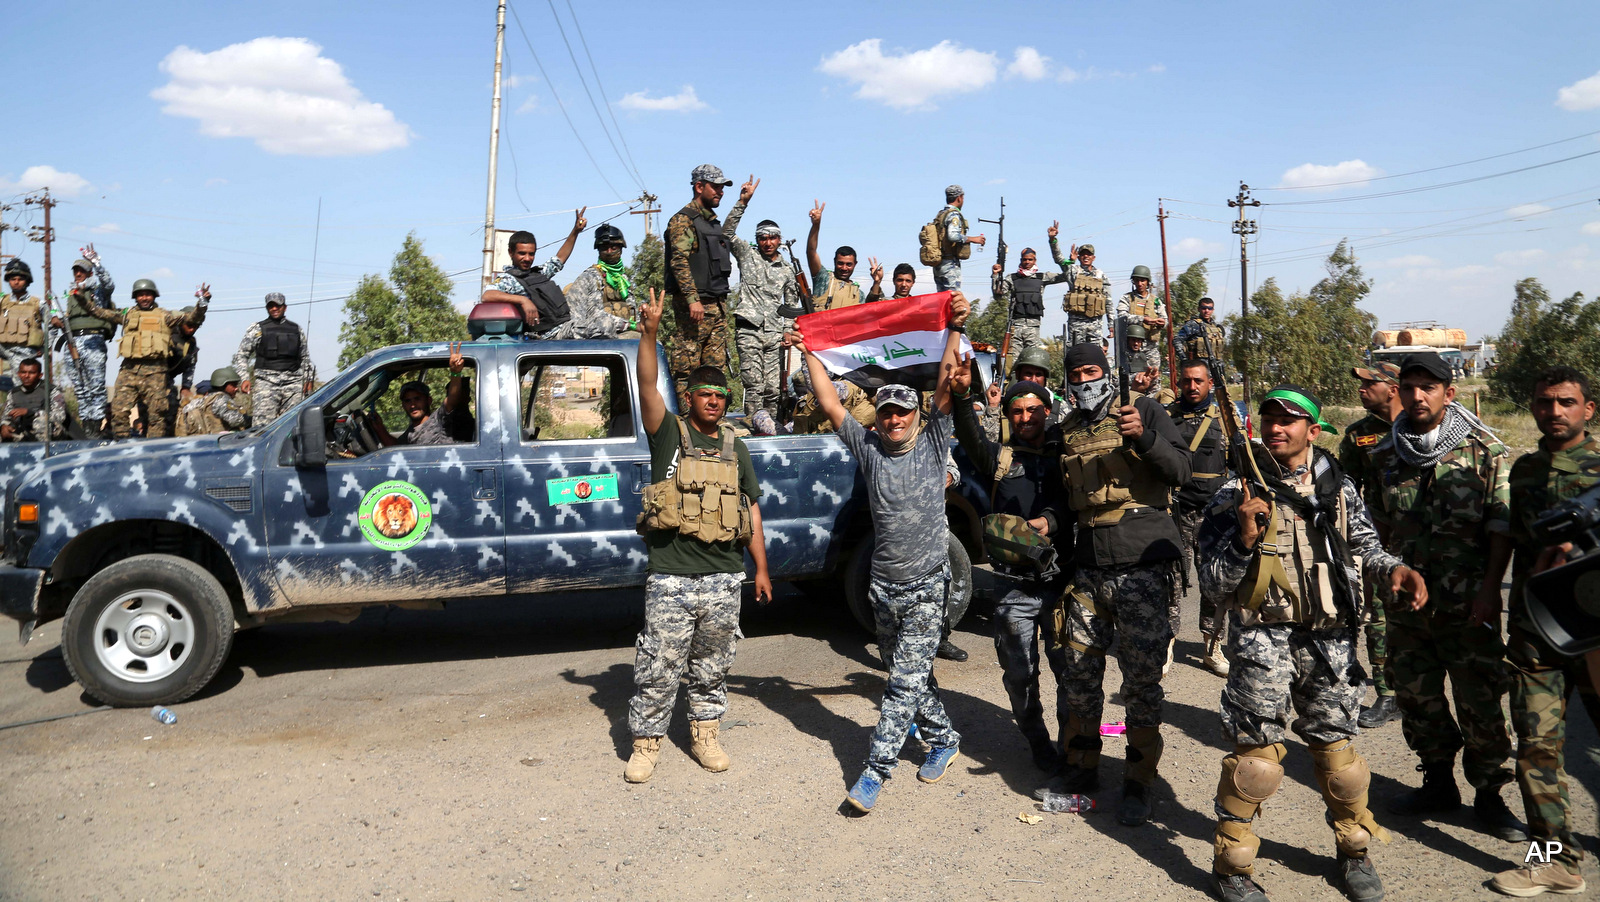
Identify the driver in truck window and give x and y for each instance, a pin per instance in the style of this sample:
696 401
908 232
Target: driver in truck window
445 425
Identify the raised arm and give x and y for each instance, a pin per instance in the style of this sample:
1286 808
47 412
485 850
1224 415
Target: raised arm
651 404
822 387
812 260
578 225
455 398
959 308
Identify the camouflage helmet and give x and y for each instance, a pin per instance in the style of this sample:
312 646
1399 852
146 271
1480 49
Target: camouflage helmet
1014 546
1035 356
19 268
1141 272
222 376
1135 330
145 285
608 234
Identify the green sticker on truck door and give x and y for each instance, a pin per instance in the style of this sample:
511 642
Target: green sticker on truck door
395 515
582 489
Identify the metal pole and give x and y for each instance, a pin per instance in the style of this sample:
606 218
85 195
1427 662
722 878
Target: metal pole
1166 290
494 146
1244 228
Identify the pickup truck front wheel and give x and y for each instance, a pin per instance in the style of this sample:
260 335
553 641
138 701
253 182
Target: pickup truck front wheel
859 575
148 630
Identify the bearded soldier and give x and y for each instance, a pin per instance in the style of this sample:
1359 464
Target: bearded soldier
1121 465
219 410
146 347
1445 512
1024 291
601 297
21 333
1288 569
766 284
1088 292
832 288
1199 422
91 287
698 265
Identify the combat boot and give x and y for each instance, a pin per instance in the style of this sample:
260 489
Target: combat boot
1215 660
1438 794
1383 711
705 748
1135 808
1537 879
1360 879
1237 888
1496 818
642 763
951 652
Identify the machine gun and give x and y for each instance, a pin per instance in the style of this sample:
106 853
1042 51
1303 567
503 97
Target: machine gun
1564 602
1005 343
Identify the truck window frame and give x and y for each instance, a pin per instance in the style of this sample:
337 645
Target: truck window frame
614 362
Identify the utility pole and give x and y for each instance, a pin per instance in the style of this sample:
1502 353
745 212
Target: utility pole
647 199
4 209
1166 290
1244 228
46 235
494 147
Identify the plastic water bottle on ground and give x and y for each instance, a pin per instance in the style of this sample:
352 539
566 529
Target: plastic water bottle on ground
164 714
1057 803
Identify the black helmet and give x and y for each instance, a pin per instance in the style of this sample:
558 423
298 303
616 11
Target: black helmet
17 267
608 234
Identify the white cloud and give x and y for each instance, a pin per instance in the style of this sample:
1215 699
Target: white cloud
162 273
685 101
1520 258
1157 68
1069 75
1409 261
517 81
529 105
911 81
1311 175
216 182
61 184
106 228
1196 247
995 182
1523 211
1028 64
280 92
1580 95
1591 228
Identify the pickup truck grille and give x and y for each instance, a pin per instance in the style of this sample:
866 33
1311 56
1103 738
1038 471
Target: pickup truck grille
234 496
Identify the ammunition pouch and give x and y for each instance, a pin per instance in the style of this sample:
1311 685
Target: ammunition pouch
702 501
145 335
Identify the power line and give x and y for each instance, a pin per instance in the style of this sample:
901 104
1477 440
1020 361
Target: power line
612 113
562 106
1495 175
1402 175
585 82
301 225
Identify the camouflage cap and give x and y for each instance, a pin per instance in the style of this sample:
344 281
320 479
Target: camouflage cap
1085 249
952 192
83 264
902 396
706 172
275 299
1380 372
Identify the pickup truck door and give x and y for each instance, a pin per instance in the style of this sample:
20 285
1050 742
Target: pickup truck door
400 523
576 460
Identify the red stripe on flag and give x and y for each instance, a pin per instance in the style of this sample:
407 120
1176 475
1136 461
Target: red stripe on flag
881 319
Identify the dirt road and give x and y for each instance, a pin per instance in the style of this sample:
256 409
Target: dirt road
477 753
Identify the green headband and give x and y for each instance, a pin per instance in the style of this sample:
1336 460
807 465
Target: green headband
1302 402
719 389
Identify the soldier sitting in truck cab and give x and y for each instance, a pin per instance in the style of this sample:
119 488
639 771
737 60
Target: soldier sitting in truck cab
448 424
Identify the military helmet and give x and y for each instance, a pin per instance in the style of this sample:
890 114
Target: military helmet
1141 272
1035 356
19 268
145 285
222 376
1135 330
608 234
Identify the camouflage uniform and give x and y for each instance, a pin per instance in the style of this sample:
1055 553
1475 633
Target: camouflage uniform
1440 526
1208 458
1200 339
696 344
764 286
30 428
212 413
90 340
25 310
273 392
144 379
1361 438
1024 328
598 310
947 272
690 623
1154 341
1129 600
1542 680
1082 329
910 622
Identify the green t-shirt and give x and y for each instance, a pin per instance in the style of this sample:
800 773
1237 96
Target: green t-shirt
673 552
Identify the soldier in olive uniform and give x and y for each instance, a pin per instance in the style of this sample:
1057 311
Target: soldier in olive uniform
145 347
1088 298
1380 395
1121 465
1024 291
23 419
221 409
1199 423
1288 569
1145 307
21 328
601 297
832 288
1566 464
698 265
1445 512
1201 337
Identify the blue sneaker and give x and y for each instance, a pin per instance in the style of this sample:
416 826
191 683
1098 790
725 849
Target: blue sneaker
932 770
864 794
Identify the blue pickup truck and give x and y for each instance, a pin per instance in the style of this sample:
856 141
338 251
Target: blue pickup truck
155 552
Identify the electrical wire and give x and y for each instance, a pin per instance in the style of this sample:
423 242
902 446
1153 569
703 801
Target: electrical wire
592 105
1402 175
1418 190
620 137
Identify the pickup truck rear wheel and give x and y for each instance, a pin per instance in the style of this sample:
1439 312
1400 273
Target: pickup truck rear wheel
859 574
149 630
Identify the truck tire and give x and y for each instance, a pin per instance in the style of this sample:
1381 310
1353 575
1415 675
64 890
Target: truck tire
859 573
149 630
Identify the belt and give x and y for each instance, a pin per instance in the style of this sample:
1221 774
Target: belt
80 333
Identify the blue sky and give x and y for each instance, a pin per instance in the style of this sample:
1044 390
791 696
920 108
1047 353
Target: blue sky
192 142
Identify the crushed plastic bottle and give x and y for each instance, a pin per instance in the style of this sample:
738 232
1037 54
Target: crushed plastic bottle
164 714
1057 803
1114 728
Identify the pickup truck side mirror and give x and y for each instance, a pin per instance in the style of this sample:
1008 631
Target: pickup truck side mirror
310 438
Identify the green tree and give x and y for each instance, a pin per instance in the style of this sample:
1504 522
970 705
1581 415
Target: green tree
990 325
1540 334
1187 289
412 305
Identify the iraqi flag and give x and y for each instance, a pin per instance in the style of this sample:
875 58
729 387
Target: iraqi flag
886 342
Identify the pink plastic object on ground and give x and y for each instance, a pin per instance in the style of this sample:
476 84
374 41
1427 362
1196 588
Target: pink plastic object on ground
1113 729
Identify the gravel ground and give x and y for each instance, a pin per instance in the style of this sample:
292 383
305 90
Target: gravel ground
477 753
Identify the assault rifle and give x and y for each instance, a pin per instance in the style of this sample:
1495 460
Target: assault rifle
57 309
1121 349
786 398
1005 343
1240 458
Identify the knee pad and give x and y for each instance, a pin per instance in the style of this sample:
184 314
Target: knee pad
1345 778
1249 778
1233 848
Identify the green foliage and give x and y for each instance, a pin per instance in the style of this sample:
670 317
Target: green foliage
412 305
1541 334
1187 289
1311 339
990 325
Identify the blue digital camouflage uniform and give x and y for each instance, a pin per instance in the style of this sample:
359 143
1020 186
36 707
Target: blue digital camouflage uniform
947 272
1024 329
272 392
764 286
691 623
910 622
92 351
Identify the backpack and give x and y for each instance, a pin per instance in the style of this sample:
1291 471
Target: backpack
933 247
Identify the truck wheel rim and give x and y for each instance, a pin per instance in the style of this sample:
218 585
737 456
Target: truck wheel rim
144 636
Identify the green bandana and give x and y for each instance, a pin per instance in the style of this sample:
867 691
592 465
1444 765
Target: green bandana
716 388
616 275
1302 402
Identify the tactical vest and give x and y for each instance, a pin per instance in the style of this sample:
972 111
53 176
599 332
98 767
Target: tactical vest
947 250
839 294
145 335
78 319
711 263
278 348
1208 454
19 322
1104 479
702 499
1292 579
547 298
612 299
31 401
1088 295
196 418
1207 343
184 350
1027 296
1141 306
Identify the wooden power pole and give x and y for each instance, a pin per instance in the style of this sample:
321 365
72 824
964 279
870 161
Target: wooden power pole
1244 228
47 236
1166 290
647 199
